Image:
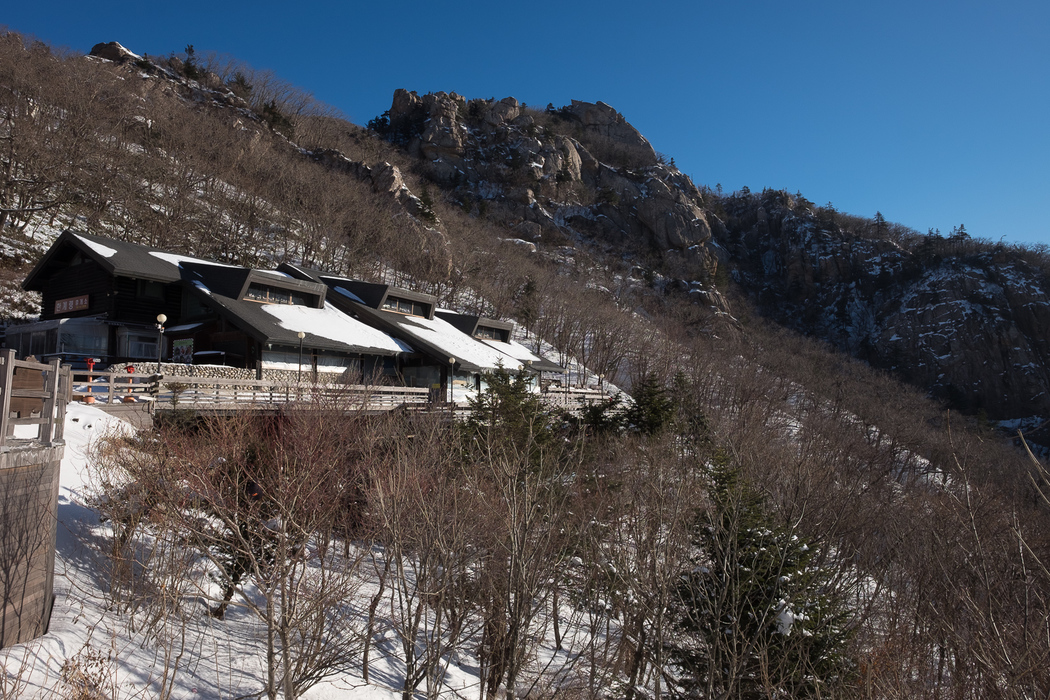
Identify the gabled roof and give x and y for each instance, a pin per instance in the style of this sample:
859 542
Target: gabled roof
326 328
447 334
434 337
370 294
118 258
234 282
469 324
522 354
222 288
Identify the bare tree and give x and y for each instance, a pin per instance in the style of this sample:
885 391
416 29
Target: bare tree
260 499
426 522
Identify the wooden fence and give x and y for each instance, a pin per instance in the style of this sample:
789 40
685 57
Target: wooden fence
208 393
573 397
32 401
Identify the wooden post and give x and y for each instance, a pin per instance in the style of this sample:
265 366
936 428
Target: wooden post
7 375
47 430
65 383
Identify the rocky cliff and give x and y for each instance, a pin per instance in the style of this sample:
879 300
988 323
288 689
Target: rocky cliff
581 168
966 320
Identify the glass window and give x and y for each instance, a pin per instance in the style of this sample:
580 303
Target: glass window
405 306
275 295
38 343
142 346
490 333
87 341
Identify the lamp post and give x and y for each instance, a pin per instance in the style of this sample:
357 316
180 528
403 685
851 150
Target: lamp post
451 369
301 336
601 386
161 320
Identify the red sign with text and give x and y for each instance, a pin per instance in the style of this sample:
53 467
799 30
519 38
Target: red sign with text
65 306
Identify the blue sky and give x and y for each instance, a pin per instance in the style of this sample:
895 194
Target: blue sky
934 113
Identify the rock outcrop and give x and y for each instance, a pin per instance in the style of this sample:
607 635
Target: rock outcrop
581 168
113 51
966 323
602 119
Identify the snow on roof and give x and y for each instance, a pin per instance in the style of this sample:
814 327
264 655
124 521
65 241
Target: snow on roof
179 329
177 260
332 324
447 338
513 348
104 251
349 295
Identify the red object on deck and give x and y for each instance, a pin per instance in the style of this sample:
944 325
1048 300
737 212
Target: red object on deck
131 369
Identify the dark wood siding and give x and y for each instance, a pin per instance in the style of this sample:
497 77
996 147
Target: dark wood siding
134 307
87 278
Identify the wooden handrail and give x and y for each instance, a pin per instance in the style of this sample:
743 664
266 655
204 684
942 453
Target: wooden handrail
52 399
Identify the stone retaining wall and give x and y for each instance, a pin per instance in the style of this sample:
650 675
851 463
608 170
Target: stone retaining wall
221 372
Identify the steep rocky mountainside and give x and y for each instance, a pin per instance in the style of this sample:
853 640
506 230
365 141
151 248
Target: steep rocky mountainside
964 319
961 318
581 168
566 220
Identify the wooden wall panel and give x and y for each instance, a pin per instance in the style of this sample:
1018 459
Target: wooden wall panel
28 521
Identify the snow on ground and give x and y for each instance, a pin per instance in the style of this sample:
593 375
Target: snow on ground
220 659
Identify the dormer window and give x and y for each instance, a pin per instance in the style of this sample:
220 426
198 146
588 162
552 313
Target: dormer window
267 294
404 306
487 333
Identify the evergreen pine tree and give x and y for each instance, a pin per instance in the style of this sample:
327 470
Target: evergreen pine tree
879 223
758 616
652 409
509 415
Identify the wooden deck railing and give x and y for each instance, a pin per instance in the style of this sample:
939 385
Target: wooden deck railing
112 387
573 397
176 391
208 393
31 394
199 392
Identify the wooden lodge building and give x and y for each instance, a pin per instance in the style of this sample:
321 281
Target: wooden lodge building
440 342
102 299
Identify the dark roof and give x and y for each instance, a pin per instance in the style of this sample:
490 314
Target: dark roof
234 282
468 323
370 294
262 322
428 336
221 288
118 258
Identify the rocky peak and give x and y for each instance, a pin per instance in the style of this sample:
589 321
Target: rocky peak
113 51
602 119
582 170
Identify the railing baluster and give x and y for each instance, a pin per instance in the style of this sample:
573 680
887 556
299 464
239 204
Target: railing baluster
46 430
64 397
